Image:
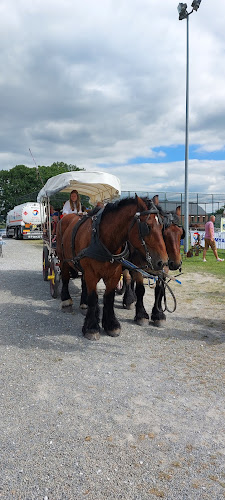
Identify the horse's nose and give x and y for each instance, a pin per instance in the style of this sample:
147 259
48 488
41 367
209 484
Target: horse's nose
161 264
173 266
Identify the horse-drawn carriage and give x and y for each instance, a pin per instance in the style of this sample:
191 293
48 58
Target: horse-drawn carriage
96 186
98 245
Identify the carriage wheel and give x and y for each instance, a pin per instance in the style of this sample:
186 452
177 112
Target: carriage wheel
45 263
54 279
120 287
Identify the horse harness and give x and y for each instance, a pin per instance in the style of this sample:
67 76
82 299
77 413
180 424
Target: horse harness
170 218
98 251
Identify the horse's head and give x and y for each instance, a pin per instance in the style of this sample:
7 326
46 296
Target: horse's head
173 232
145 234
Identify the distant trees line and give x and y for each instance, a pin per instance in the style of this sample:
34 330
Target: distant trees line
21 183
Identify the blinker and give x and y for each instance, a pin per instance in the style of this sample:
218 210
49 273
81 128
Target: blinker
144 229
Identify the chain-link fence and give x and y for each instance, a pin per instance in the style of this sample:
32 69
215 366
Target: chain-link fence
201 205
209 203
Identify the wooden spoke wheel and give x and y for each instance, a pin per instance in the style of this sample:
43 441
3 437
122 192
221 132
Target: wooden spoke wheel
45 263
54 279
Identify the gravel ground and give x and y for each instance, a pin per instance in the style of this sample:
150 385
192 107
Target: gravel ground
136 417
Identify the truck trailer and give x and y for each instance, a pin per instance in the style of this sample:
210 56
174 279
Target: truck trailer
25 221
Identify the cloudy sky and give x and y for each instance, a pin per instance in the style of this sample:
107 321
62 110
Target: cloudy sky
101 84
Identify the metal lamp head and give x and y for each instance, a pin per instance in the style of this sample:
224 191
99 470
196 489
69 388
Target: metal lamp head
196 4
182 10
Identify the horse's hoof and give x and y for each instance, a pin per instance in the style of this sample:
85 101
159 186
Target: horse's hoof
83 306
113 333
92 336
158 322
129 307
83 309
141 321
66 303
67 309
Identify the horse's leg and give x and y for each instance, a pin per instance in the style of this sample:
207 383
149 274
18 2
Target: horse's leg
110 323
141 316
129 297
158 315
91 327
67 302
84 295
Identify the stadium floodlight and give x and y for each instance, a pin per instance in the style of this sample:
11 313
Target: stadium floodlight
182 11
196 4
184 14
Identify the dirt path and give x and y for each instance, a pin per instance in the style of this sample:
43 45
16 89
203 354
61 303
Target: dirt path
134 418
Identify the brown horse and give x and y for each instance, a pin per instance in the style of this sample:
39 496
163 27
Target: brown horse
94 246
172 234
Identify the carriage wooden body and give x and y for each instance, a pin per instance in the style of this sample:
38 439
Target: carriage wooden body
97 186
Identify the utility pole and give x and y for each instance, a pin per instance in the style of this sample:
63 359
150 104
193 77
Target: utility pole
38 173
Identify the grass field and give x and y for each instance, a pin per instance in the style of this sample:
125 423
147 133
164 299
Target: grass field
211 266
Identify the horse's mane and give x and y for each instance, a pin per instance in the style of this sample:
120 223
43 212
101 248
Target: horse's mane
117 205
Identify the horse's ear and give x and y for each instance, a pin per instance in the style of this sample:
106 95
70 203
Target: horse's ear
140 203
137 199
178 211
156 199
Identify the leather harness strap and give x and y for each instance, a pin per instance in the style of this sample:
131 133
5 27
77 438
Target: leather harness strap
96 250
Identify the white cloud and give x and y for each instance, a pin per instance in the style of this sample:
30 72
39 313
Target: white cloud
101 83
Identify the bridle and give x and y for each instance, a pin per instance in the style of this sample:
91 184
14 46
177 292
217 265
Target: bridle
144 230
169 219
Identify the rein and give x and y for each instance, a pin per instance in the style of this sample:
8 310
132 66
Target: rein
159 275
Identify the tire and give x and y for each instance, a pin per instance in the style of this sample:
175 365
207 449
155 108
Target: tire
8 235
54 280
45 263
18 234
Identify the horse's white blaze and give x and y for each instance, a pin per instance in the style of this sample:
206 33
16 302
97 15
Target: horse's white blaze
156 218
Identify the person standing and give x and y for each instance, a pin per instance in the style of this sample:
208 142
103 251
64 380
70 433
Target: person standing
209 239
73 205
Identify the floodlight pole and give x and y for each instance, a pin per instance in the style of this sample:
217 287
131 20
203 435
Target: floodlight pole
183 14
186 206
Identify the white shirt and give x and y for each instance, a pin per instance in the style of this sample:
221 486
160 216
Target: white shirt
67 208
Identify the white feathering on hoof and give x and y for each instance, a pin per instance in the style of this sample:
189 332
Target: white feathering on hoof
83 306
66 303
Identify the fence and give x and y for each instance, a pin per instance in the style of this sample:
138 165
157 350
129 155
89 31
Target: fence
208 202
201 205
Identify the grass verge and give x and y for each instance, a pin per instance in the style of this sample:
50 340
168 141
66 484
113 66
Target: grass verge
211 266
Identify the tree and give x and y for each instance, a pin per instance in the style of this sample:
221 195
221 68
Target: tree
21 183
220 211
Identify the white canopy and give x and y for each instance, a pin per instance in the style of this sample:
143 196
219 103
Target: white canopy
99 186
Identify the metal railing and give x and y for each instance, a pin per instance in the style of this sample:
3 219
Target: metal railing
209 203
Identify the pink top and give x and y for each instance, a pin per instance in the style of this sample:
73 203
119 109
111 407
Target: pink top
209 230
